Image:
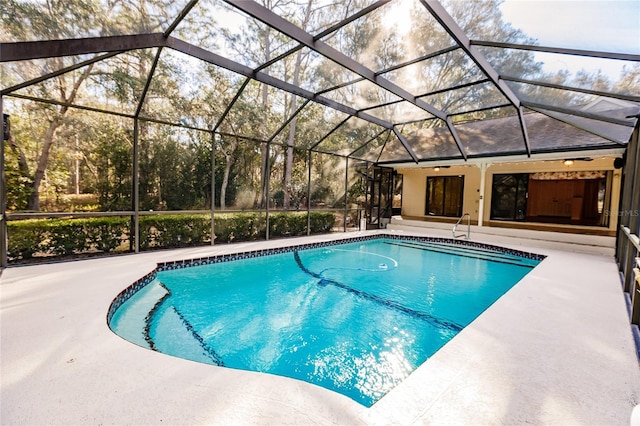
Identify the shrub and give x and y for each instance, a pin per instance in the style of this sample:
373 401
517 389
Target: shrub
25 238
322 222
59 237
288 224
171 231
233 227
107 234
64 237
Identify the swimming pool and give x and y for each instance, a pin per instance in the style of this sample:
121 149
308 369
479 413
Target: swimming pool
356 317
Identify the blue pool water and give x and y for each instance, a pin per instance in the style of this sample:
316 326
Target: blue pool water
355 318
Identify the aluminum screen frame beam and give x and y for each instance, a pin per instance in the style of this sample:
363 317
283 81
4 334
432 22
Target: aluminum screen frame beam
384 145
473 83
591 116
455 114
428 94
59 72
288 120
147 84
457 140
183 14
66 104
543 109
453 29
351 18
340 86
563 51
314 146
367 142
212 58
460 86
326 32
26 50
419 59
126 115
280 24
394 68
227 110
630 98
405 143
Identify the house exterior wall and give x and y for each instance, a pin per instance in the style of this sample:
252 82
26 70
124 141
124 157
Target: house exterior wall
415 184
414 188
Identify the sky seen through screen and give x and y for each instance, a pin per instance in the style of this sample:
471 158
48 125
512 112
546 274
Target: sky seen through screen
608 26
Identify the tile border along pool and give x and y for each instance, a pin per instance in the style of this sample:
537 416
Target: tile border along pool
556 348
207 260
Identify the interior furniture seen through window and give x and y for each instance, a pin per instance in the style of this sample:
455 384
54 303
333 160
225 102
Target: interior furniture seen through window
576 198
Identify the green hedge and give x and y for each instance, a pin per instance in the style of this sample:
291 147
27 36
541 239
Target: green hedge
64 237
232 227
57 237
171 231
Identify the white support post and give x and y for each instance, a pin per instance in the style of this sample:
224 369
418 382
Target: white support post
4 241
214 138
483 175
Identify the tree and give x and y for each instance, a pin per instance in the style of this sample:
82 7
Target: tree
292 105
55 19
109 161
629 79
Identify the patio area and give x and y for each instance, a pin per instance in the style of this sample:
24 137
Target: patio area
555 349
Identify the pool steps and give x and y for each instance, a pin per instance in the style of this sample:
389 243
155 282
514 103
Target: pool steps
140 305
467 251
165 316
148 320
168 322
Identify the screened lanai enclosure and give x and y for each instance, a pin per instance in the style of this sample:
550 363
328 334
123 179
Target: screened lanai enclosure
131 125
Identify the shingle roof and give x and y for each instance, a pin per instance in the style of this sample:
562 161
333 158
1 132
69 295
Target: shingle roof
498 136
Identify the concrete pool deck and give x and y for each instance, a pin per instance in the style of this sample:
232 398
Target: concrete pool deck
555 349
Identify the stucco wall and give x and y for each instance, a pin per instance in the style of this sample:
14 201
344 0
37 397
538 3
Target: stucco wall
414 188
415 183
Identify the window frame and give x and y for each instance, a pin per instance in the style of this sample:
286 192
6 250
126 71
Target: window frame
519 178
446 196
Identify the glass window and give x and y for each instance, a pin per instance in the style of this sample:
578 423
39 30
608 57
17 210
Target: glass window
444 195
576 198
509 196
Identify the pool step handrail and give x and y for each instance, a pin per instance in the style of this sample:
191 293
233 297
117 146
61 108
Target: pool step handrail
467 235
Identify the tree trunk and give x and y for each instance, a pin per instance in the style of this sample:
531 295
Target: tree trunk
43 160
291 139
23 164
264 149
76 169
286 184
228 158
34 199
